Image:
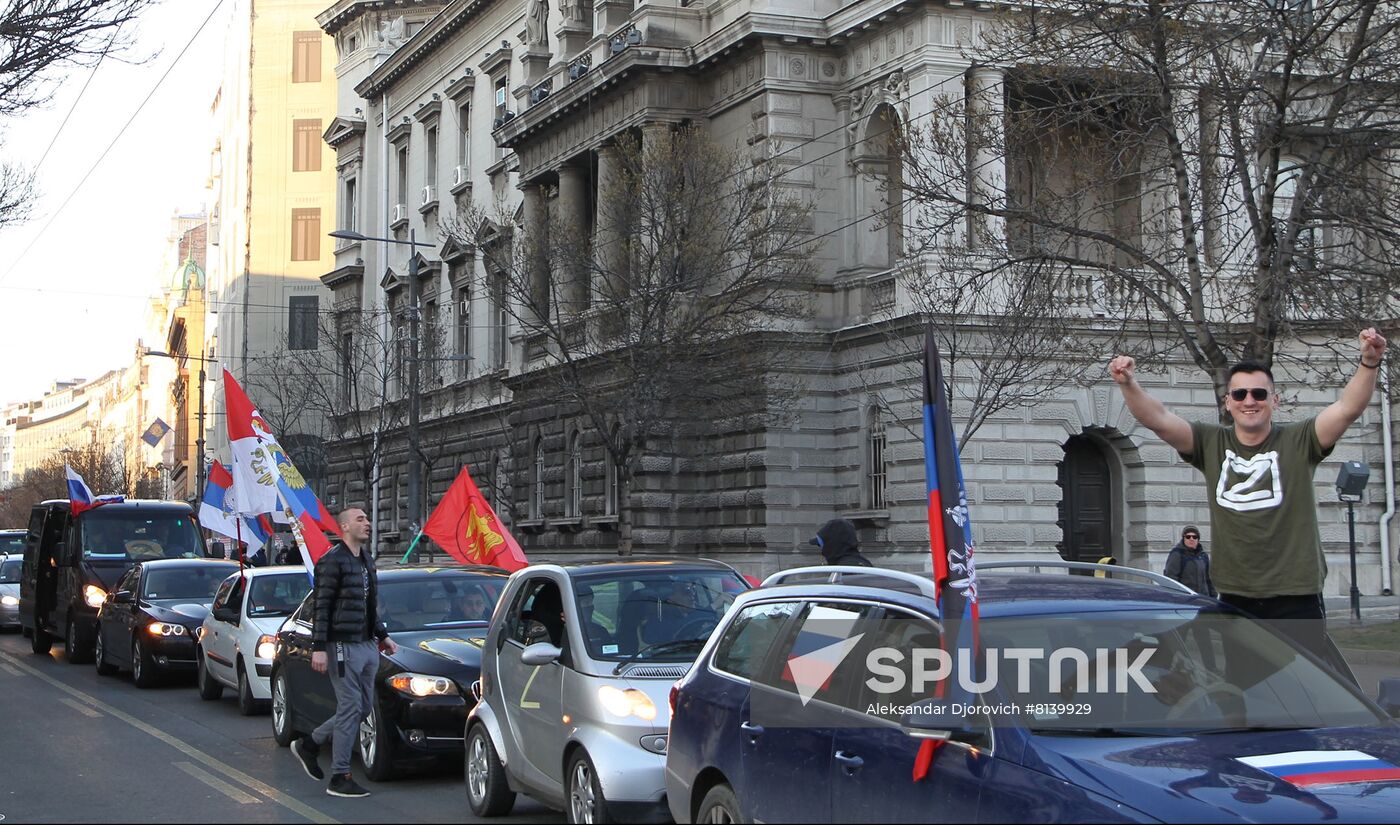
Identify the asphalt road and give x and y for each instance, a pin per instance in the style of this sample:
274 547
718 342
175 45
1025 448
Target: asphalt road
77 747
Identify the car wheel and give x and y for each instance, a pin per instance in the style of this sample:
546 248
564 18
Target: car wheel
99 655
283 730
76 649
40 641
585 801
209 687
720 806
376 746
143 670
487 791
247 704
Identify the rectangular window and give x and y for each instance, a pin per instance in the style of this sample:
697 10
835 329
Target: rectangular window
306 145
347 367
501 84
464 330
431 169
501 338
349 217
878 475
403 174
302 314
464 121
306 57
306 234
749 638
430 346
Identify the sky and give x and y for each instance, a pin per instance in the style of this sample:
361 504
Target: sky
75 280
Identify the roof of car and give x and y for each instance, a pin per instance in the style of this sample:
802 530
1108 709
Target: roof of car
283 569
635 564
128 504
420 570
1021 594
163 563
20 530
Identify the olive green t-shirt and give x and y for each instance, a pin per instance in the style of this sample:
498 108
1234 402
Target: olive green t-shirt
1263 509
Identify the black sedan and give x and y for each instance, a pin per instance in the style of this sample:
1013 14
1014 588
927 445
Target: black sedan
147 624
438 617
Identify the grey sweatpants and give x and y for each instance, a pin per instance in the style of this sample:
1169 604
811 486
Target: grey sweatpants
354 695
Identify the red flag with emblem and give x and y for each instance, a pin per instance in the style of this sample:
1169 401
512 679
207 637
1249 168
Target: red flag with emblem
466 527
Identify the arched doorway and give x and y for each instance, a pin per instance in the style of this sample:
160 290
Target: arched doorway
1086 503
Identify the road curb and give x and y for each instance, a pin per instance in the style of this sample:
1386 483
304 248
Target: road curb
1358 656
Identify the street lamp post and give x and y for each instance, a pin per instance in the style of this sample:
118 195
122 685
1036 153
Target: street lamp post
199 417
1351 483
415 459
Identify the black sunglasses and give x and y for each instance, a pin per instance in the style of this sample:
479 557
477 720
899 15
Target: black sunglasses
1259 393
1191 536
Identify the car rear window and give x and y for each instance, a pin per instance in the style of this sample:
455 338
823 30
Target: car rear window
442 601
12 544
277 595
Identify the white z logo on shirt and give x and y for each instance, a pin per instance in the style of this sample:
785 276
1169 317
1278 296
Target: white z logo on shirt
1254 483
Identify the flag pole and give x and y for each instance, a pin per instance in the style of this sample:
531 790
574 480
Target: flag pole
411 545
239 528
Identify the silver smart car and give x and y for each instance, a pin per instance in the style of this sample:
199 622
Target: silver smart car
574 696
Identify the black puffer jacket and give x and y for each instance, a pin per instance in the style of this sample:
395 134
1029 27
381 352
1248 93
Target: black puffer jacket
342 601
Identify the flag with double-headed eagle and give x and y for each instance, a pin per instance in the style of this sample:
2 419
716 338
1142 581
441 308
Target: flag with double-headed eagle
466 527
268 481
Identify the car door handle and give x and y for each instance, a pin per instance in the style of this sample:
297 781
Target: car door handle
849 762
751 729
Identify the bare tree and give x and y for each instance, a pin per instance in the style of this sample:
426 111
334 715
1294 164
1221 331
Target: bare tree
38 40
1228 171
662 311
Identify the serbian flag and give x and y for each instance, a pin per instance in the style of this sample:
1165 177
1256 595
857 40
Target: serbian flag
218 511
80 498
254 471
950 536
466 527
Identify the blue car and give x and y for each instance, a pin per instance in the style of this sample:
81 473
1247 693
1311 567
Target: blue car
1119 699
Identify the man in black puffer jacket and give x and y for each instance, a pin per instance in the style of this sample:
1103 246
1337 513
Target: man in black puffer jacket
345 622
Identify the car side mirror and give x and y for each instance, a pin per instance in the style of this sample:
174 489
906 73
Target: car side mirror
930 719
1389 697
123 597
224 614
540 653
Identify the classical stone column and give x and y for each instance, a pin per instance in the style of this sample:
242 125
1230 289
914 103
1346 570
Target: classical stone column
987 106
536 249
610 279
573 219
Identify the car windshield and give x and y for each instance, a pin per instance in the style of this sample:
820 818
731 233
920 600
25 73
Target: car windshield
277 595
439 601
12 544
139 535
192 584
1166 671
623 614
9 571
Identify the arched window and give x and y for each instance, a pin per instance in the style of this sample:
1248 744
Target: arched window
537 482
573 477
876 462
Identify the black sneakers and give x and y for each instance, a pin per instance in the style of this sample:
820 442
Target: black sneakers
306 752
342 784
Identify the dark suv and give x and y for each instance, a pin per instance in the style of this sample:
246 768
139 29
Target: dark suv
70 563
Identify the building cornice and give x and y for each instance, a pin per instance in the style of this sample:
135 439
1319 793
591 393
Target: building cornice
447 23
343 129
343 12
340 276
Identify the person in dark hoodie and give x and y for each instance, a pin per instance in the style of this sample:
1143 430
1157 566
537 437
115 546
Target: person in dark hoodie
839 544
1189 563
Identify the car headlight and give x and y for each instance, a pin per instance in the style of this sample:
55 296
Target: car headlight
94 595
419 685
9 601
165 629
267 647
629 702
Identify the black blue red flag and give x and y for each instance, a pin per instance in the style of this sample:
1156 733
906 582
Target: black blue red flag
950 537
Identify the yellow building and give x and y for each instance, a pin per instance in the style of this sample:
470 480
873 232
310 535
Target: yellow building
273 192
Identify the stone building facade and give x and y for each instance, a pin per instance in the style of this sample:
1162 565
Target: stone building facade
518 105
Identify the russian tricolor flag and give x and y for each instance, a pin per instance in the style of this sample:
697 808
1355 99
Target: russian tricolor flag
1306 769
80 498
